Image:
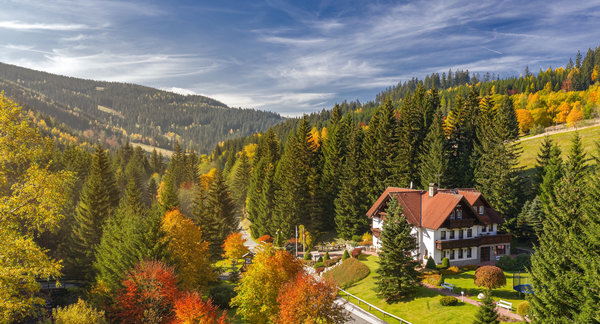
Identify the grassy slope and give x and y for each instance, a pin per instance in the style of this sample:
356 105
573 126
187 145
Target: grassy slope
424 307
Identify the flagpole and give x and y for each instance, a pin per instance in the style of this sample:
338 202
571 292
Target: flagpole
296 243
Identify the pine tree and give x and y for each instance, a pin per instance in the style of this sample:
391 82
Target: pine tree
241 181
230 162
435 154
575 168
99 198
543 157
461 127
397 276
168 197
156 162
176 168
486 314
209 225
350 204
334 150
234 272
151 192
553 172
530 220
220 207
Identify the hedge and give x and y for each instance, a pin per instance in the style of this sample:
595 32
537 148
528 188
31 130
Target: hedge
448 301
349 272
331 262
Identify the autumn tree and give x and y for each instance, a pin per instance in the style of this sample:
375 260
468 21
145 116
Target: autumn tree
490 277
189 252
220 212
149 295
259 288
234 246
31 200
306 299
190 308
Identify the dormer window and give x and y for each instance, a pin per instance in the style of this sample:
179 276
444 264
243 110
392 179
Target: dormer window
452 215
480 210
458 214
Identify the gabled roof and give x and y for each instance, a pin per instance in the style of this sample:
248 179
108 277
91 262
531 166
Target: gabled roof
431 212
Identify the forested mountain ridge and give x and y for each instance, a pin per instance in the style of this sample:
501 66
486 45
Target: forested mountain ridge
113 110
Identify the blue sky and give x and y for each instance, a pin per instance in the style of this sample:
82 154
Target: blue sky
291 57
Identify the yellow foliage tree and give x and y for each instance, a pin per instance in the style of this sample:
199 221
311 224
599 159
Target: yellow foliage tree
251 150
234 246
525 120
575 116
31 200
188 250
207 179
563 111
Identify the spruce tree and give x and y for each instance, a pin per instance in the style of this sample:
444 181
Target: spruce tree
462 129
530 220
234 272
486 313
156 162
241 181
350 204
397 276
334 150
207 222
435 154
168 197
543 157
99 198
553 172
230 162
220 207
151 192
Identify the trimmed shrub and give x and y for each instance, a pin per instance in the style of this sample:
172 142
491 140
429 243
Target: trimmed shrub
326 256
307 256
349 272
320 259
523 308
439 267
356 238
470 267
345 256
490 277
318 265
356 253
77 313
506 263
448 301
426 272
430 264
432 279
445 263
319 270
440 281
331 262
222 295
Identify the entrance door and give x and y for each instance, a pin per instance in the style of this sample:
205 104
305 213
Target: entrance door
485 253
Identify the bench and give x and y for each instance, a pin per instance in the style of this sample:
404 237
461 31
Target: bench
504 304
448 286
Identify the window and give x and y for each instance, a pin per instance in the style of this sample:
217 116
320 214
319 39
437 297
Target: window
468 252
458 214
460 234
501 249
452 215
460 253
443 233
483 228
491 227
451 254
481 210
452 234
469 233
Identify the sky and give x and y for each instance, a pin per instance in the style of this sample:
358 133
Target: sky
291 57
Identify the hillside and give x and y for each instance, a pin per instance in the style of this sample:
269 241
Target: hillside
113 110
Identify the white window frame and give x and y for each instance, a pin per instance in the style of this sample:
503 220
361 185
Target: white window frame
458 214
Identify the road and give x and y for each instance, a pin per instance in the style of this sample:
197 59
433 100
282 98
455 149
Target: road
249 242
358 315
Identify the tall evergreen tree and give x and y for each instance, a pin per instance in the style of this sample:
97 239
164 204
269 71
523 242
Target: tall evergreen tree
553 172
220 207
397 276
543 157
168 196
99 198
241 181
435 155
350 204
176 168
230 162
151 192
486 313
530 220
207 222
498 177
156 162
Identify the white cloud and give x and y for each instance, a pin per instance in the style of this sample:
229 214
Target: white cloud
17 25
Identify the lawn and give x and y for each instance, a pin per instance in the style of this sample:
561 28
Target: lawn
465 282
423 307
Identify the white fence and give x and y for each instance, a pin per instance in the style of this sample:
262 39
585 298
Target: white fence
384 313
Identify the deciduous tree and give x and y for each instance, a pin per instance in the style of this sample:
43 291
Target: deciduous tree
191 309
234 246
490 277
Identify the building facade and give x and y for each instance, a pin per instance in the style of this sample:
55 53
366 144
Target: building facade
459 224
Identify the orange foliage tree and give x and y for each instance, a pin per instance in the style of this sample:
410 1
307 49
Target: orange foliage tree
575 116
525 120
259 288
563 112
234 246
188 250
149 295
191 309
265 238
306 299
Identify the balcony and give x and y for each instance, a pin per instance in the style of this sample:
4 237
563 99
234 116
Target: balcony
476 241
376 232
459 223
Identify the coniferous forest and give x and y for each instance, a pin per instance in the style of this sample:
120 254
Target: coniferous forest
80 202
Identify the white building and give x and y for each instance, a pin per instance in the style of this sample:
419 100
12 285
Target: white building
459 224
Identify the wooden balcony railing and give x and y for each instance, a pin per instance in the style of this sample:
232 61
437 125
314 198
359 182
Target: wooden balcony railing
459 223
376 232
476 241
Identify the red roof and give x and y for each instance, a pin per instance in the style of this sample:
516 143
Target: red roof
431 212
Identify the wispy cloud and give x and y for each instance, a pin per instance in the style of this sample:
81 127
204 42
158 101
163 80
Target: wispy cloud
17 25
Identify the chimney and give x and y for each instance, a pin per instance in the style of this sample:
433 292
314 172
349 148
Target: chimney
432 190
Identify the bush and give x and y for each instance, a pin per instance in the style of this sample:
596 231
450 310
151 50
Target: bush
506 263
430 264
307 256
77 313
356 253
439 267
440 281
490 277
319 270
432 279
470 267
523 262
448 301
318 265
520 262
349 272
326 256
356 238
345 256
523 308
320 259
445 263
222 295
331 262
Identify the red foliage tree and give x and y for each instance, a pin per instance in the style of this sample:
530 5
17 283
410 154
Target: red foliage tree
190 308
150 293
265 238
306 299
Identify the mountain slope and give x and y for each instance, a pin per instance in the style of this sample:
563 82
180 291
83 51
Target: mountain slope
128 111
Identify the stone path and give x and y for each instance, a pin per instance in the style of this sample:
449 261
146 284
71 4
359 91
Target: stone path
502 311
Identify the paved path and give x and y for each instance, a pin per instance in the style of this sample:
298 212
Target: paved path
502 311
249 242
359 315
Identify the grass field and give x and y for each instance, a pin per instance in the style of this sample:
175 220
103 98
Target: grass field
423 307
